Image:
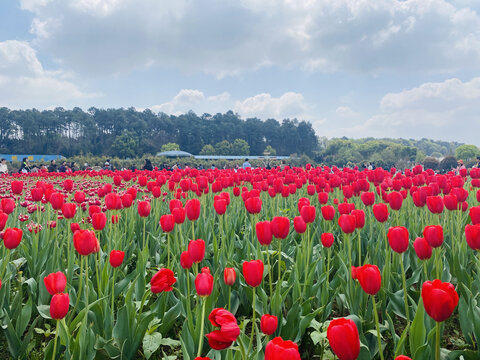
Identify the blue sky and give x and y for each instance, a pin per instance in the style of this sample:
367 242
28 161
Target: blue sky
355 68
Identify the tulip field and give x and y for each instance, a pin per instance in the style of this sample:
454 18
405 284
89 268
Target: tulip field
293 263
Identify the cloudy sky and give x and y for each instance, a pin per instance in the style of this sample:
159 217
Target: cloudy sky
355 68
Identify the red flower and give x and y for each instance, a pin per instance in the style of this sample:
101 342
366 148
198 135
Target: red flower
281 349
280 226
69 210
143 208
422 248
475 214
380 211
185 260
59 306
268 324
7 205
3 220
299 225
253 272
204 283
179 215
347 223
37 193
368 198
398 238
17 187
308 213
264 232
116 258
369 278
253 205
162 281
395 200
229 276
85 242
472 234
57 200
327 239
74 227
229 330
167 222
435 204
220 206
439 299
79 197
99 220
342 335
328 212
359 218
12 238
196 249
434 235
192 208
55 282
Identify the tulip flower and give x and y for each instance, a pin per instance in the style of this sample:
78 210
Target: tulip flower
422 248
17 187
472 234
143 208
268 324
299 225
99 220
435 204
347 223
186 260
395 200
59 305
253 274
204 283
229 276
327 239
475 214
281 349
328 212
264 232
308 214
380 211
342 335
57 200
55 282
3 220
162 281
69 210
196 249
228 332
253 205
116 258
192 208
398 238
402 357
85 242
368 198
12 238
7 205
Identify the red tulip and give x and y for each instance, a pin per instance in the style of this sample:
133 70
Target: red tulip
439 299
3 220
74 227
59 306
37 194
472 234
69 210
268 324
162 281
179 215
229 276
68 184
229 330
328 212
167 222
196 249
434 235
299 225
308 213
422 248
342 335
280 226
55 282
281 349
12 238
322 198
368 198
435 204
475 214
185 260
395 200
204 283
99 220
57 200
327 239
79 197
127 200
7 205
347 223
85 242
116 258
264 232
143 208
359 218
380 211
398 238
192 208
402 357
253 272
253 205
220 206
451 202
17 187
369 278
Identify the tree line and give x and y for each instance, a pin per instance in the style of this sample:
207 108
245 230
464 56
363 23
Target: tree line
130 133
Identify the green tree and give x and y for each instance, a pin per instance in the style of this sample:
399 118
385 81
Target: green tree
270 151
125 145
207 150
448 163
467 152
223 148
169 147
240 147
430 163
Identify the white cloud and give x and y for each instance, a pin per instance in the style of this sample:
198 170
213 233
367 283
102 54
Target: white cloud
190 99
224 37
448 110
25 83
264 106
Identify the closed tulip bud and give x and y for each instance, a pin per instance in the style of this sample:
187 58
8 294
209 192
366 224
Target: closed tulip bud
204 283
264 232
55 282
434 235
69 210
74 227
253 272
280 226
472 234
281 349
359 218
79 197
299 225
7 205
85 242
229 276
268 324
57 200
99 220
17 187
422 248
196 249
167 222
3 220
322 198
12 238
143 208
185 260
253 205
368 198
179 215
395 200
347 223
439 299
435 204
162 281
192 208
475 214
402 357
59 306
369 278
116 258
308 213
380 211
398 238
328 212
220 206
327 239
127 200
342 335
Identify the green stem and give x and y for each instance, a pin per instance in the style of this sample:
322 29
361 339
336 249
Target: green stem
144 221
253 323
80 287
200 341
242 348
229 296
269 272
379 339
437 347
113 292
168 250
359 249
86 288
405 295
55 342
279 260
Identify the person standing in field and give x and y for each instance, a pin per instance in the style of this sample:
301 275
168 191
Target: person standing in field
246 164
3 167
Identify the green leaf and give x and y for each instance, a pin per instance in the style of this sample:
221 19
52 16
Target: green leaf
418 330
151 343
